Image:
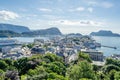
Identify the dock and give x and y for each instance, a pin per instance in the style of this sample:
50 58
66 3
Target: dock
109 46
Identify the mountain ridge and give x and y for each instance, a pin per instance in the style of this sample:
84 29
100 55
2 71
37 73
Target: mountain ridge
17 30
105 33
14 28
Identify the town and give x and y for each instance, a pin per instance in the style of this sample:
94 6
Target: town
65 46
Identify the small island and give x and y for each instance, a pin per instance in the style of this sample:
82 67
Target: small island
105 33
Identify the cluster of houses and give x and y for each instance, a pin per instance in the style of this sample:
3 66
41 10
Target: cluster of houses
65 46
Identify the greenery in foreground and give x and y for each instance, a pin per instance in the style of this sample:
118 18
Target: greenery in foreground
52 67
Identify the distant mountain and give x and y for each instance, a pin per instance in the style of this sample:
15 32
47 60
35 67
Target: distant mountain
7 33
14 28
105 33
49 31
17 30
74 35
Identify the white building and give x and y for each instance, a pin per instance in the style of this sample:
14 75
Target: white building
94 54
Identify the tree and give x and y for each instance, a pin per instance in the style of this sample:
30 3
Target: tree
111 74
54 76
21 65
112 61
117 75
82 70
52 57
12 75
84 56
108 68
95 68
38 73
3 65
56 67
2 75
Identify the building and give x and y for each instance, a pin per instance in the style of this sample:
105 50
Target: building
38 50
38 41
6 49
94 54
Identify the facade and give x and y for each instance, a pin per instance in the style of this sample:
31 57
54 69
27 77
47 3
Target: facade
94 54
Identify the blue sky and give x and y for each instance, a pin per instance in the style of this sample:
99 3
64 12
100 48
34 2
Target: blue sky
70 16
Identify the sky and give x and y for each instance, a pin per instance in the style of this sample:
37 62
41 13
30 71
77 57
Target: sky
70 16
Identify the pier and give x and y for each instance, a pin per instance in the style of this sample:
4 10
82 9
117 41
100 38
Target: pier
109 47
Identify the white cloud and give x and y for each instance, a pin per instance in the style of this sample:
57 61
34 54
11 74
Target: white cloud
77 9
78 23
90 9
45 10
92 3
81 9
104 4
107 5
8 15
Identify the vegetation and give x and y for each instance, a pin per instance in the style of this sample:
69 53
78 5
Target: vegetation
7 33
53 67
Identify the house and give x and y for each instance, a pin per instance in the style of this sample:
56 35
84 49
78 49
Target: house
6 49
38 50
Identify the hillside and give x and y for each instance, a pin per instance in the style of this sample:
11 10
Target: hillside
49 31
104 33
7 33
14 28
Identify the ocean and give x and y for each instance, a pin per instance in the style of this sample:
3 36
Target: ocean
107 41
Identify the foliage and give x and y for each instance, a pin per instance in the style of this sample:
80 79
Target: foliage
52 67
84 56
117 75
38 72
108 68
2 75
12 75
54 76
112 61
56 67
52 57
82 70
3 65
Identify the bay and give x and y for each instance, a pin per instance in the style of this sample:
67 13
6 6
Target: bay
108 41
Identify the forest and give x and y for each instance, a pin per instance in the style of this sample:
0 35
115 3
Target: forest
52 67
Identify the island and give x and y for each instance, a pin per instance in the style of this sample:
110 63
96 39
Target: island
11 30
105 33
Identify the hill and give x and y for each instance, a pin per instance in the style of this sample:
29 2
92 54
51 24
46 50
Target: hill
49 31
105 33
14 28
7 33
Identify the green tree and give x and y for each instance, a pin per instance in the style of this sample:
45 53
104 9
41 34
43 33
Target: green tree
2 75
108 68
52 57
38 73
84 56
112 74
56 67
54 76
21 65
117 75
3 65
112 61
82 70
